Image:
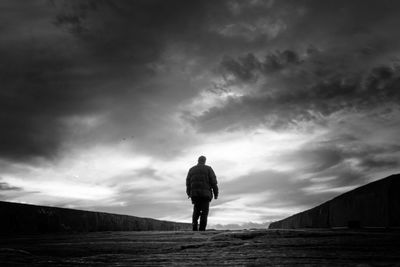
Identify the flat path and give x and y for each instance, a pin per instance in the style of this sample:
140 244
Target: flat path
211 248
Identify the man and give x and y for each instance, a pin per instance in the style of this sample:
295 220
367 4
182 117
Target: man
201 184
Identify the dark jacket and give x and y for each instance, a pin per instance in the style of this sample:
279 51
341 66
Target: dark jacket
201 182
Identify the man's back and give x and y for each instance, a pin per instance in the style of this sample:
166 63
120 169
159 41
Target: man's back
200 180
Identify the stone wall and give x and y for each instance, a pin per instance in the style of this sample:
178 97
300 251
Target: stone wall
376 204
23 218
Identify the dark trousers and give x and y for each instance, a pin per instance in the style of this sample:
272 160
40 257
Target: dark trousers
200 209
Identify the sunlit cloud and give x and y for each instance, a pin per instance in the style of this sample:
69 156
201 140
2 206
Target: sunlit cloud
63 189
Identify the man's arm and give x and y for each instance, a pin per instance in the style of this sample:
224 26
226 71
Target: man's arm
188 184
214 183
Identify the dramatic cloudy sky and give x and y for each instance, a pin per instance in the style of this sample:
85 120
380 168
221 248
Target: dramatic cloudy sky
104 105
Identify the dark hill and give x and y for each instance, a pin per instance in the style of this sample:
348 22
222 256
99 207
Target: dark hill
376 204
23 218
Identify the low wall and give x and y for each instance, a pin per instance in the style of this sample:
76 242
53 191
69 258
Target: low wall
376 204
23 218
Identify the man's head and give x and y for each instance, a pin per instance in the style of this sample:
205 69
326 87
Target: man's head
202 160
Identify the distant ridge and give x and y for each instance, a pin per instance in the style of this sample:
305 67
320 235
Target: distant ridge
376 204
24 218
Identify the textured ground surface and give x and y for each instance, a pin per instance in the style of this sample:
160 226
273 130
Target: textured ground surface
212 248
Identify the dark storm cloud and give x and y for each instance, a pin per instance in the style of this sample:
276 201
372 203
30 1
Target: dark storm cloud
130 32
248 67
78 59
63 59
329 56
304 93
36 94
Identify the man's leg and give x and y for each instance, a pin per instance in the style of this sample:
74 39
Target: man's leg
196 213
205 205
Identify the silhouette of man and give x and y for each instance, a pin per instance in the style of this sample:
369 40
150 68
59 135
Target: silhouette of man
201 184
